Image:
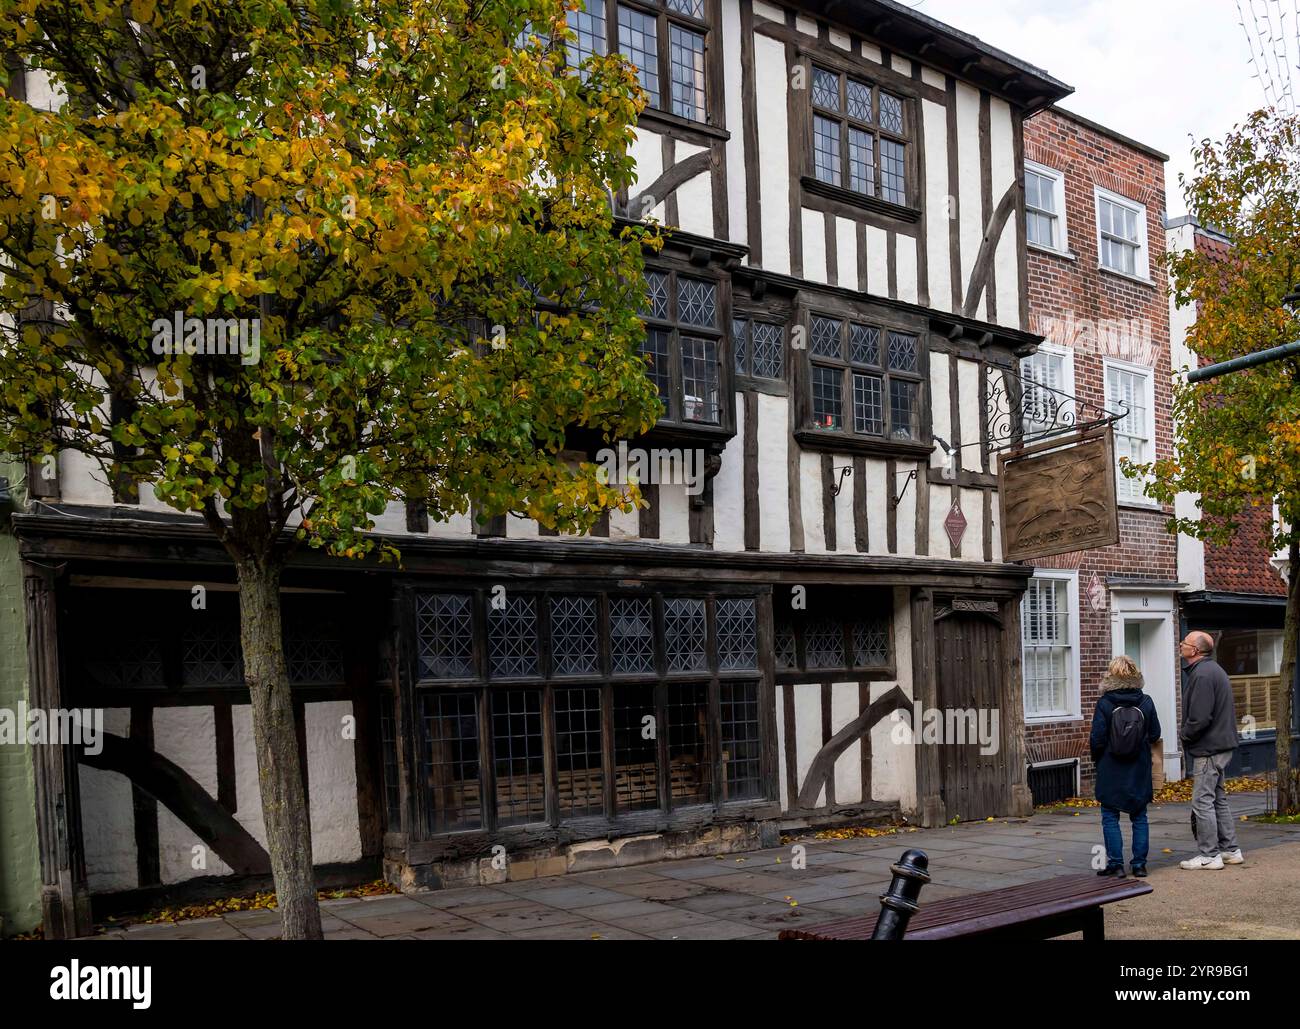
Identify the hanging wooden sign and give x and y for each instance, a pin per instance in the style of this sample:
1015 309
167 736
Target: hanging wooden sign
1059 496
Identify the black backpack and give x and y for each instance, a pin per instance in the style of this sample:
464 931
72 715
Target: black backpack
1128 732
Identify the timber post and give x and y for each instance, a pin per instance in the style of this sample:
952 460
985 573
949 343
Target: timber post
65 897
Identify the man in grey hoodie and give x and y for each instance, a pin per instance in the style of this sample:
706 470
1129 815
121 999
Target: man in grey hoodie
1209 735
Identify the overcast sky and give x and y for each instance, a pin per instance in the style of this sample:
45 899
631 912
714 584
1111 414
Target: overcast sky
1158 71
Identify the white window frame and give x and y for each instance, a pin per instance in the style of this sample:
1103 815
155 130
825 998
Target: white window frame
1149 398
1062 244
1073 697
1066 354
1142 260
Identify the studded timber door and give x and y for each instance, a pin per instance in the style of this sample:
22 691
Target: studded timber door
969 664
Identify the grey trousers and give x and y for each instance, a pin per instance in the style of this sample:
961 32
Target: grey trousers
1215 831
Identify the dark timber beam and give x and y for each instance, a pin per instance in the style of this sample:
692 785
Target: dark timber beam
65 898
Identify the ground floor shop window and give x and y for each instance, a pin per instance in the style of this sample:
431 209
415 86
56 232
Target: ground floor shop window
833 630
1253 660
539 706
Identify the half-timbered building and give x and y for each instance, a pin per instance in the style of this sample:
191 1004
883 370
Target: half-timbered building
842 290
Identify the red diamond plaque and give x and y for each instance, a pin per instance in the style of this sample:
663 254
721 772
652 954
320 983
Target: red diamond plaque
955 524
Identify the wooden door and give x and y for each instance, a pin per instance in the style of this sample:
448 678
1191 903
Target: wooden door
969 671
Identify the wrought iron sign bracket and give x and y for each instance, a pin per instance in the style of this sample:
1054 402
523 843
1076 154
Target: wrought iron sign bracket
897 498
846 471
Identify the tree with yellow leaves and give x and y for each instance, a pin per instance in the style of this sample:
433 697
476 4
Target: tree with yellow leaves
1238 436
284 263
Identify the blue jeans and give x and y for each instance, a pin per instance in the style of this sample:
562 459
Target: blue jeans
1115 842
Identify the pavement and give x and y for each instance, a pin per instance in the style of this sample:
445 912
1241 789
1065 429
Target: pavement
756 894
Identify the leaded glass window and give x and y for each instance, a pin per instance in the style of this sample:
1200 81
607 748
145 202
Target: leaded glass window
879 371
841 629
496 754
667 41
445 629
631 635
685 634
683 344
737 633
575 642
512 636
859 136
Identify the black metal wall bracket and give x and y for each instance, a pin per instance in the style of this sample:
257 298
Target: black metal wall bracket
897 499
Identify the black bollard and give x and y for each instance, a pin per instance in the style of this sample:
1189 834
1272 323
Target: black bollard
899 903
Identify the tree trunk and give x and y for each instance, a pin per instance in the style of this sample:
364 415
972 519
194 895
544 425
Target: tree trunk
1288 802
284 803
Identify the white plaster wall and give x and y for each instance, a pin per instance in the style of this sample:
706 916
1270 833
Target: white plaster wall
893 764
248 795
187 737
872 52
806 25
877 244
1006 264
848 766
900 64
906 513
737 212
695 195
940 408
846 249
931 77
458 526
940 504
878 494
772 12
647 152
773 152
729 492
968 177
674 514
970 403
43 92
808 731
840 39
773 474
624 525
938 224
972 543
524 528
844 530
905 268
393 520
108 818
814 244
810 500
332 783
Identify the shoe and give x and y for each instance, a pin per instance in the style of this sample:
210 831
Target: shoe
1140 871
1201 861
1232 857
1117 871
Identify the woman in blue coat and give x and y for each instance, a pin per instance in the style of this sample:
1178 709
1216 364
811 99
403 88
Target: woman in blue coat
1124 726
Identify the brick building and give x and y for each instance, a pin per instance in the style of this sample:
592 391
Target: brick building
1097 291
1235 592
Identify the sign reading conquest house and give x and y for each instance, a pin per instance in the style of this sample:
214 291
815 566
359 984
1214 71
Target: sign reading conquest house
1059 497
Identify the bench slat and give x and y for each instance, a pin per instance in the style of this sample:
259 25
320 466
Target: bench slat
991 910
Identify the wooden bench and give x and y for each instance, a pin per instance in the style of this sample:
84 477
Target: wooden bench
1035 911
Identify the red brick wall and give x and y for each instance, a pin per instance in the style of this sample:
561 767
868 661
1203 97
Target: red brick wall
1071 302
